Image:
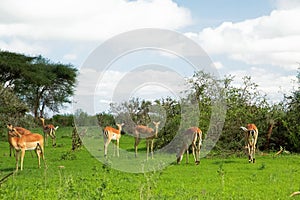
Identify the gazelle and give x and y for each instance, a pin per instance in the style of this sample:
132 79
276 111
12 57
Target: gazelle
21 143
251 134
49 130
192 136
110 133
22 131
148 133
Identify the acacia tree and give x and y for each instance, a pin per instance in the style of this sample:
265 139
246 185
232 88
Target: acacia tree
38 82
12 66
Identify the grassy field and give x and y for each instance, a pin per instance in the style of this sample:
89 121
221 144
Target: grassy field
80 175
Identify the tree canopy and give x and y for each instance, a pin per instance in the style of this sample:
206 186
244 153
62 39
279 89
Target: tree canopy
37 81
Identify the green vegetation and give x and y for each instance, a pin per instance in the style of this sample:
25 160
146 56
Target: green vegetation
30 85
39 83
79 175
35 83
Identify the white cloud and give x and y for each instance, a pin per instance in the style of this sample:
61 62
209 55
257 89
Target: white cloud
52 28
272 39
86 20
97 90
217 65
20 46
287 4
270 82
70 57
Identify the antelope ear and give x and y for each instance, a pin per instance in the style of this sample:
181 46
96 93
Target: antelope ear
156 123
9 126
244 128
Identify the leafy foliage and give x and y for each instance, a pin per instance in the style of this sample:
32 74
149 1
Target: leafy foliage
37 82
82 118
11 108
63 120
277 123
290 122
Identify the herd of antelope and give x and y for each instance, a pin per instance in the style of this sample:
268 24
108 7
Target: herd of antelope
21 140
190 137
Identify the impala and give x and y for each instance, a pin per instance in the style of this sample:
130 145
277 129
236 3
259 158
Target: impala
49 130
148 133
22 131
251 134
110 133
192 136
21 143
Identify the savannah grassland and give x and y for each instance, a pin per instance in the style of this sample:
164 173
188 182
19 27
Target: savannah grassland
79 175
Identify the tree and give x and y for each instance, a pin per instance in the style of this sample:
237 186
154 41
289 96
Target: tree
38 82
105 119
12 66
81 118
291 121
132 112
11 108
245 104
206 91
172 123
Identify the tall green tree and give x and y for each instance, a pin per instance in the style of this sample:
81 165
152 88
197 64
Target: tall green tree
12 66
37 81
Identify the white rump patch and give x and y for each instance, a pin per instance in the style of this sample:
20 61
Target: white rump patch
114 137
31 146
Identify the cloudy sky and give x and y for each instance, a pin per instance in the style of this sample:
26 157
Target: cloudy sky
260 38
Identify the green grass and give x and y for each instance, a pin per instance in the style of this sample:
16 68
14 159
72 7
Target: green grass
80 174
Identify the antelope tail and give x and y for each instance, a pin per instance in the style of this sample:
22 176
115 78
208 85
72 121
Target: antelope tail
105 133
38 147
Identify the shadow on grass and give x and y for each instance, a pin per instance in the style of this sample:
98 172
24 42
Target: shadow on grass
224 162
3 179
10 169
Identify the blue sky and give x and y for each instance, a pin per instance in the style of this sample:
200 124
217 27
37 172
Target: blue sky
260 38
214 12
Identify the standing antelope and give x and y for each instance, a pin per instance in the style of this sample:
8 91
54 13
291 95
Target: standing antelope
22 131
110 133
21 143
49 130
148 133
251 134
192 136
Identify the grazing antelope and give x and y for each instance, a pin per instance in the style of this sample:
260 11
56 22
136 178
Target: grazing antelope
49 130
192 136
251 134
110 133
22 131
148 133
21 143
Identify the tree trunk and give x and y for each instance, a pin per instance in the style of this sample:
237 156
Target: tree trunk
269 133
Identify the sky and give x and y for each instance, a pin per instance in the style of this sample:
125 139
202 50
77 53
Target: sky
257 38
